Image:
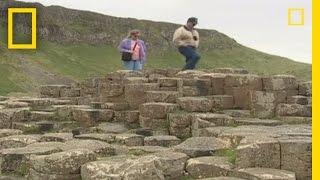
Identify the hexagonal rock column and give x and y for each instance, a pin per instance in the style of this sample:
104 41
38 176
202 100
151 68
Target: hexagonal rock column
282 86
145 167
154 115
129 118
296 156
62 165
16 160
196 87
280 82
135 93
201 146
263 104
240 85
305 88
208 166
222 102
217 82
89 117
258 151
129 139
8 116
52 91
180 124
172 164
196 104
157 110
159 166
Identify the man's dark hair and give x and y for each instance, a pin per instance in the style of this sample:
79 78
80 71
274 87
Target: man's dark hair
193 20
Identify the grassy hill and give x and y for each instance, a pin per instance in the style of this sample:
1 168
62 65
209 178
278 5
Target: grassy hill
73 45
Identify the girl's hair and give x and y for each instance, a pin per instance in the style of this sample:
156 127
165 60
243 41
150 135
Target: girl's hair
132 32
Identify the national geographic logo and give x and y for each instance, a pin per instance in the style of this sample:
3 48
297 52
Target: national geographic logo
33 12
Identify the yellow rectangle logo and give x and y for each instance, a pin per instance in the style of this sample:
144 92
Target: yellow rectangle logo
33 12
296 17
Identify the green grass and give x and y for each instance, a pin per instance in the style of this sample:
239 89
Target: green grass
229 153
8 81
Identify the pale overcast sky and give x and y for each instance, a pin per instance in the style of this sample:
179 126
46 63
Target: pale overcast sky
260 24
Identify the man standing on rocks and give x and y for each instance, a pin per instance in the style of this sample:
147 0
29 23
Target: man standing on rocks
186 38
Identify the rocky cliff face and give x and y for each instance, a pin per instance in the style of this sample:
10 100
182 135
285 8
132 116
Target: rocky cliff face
64 25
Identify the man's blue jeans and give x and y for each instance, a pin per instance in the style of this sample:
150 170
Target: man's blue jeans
192 57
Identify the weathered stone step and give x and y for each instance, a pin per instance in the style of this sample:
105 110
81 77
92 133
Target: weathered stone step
146 149
90 117
303 100
135 93
180 124
9 132
34 127
109 138
195 104
157 110
12 177
169 82
228 70
135 80
201 146
145 167
4 98
305 88
101 149
183 124
208 166
265 174
63 164
162 96
56 137
43 102
222 101
280 82
240 132
42 116
17 141
15 104
16 160
129 139
237 113
295 120
65 112
294 110
164 141
130 118
257 121
117 106
223 178
156 126
108 128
